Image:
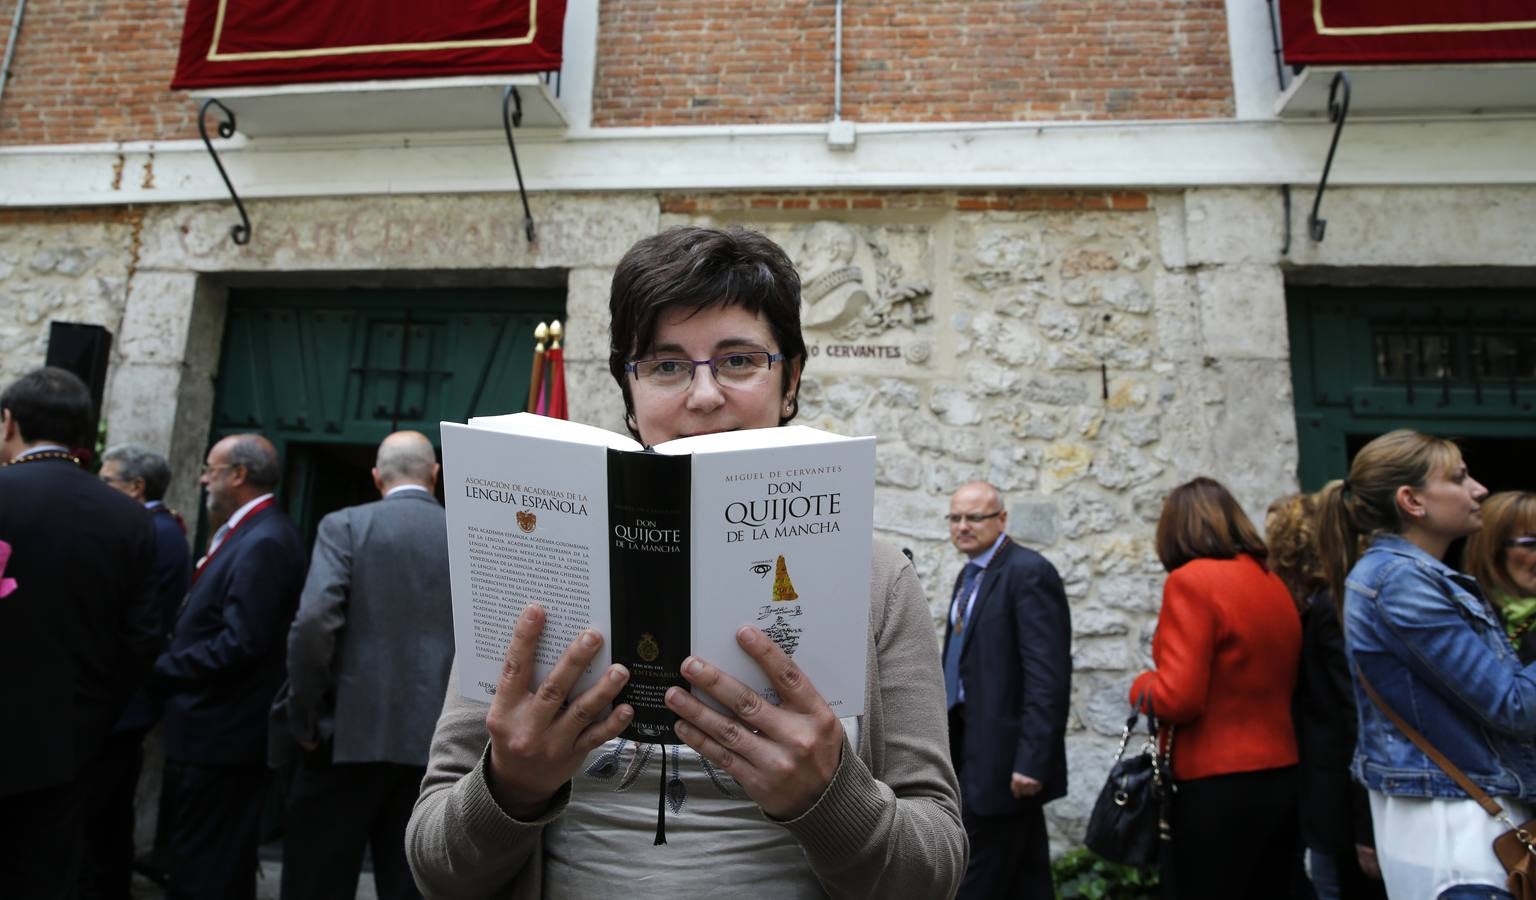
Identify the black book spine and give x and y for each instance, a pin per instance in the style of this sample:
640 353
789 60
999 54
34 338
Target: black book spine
648 503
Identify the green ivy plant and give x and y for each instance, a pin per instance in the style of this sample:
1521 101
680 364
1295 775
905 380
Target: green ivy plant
1081 873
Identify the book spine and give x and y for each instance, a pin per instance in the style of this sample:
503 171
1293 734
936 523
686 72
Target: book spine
648 502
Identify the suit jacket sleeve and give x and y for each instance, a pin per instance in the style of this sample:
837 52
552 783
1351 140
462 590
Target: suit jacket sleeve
1183 649
140 627
1043 628
322 614
252 623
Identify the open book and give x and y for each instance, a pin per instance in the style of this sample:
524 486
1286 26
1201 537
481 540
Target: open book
666 552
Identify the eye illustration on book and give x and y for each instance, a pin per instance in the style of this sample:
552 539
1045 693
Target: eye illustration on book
761 568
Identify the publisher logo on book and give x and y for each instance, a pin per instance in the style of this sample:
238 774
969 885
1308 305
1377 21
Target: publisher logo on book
527 521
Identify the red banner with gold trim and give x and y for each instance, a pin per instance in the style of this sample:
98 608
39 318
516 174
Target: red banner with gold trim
1385 32
249 42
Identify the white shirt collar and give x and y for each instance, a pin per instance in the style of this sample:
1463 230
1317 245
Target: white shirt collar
42 448
242 511
984 559
405 487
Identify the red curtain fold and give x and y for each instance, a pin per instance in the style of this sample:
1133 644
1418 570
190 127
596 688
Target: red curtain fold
250 42
1385 32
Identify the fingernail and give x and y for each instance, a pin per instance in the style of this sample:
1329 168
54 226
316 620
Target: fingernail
617 674
672 695
626 713
692 666
747 635
589 639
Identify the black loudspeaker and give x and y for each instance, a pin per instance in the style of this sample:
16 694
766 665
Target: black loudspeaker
82 349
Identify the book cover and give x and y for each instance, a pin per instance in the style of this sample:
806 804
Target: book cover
666 552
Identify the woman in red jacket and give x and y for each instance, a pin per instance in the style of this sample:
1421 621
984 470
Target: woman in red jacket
1227 645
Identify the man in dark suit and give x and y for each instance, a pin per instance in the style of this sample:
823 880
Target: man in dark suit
368 660
76 631
1007 672
222 669
144 475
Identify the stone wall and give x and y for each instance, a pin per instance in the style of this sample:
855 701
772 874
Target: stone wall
1084 351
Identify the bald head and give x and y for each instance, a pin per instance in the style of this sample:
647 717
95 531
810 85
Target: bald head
977 517
405 457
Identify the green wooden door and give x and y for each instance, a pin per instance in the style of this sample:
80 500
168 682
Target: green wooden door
326 374
1453 362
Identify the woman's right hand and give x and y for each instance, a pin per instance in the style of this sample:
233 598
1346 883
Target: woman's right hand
538 741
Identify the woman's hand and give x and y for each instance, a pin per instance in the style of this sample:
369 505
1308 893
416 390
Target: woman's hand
783 756
537 740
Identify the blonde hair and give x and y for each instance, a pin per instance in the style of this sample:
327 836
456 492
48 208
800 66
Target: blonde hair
1290 529
1505 515
1352 511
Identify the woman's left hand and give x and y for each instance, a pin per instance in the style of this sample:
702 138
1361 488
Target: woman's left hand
783 756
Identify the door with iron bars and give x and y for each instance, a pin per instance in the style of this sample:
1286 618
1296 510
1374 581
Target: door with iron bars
1458 363
326 374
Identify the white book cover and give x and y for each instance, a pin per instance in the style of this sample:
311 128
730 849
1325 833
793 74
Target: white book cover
665 557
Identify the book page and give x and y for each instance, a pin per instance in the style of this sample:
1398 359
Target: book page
527 522
782 539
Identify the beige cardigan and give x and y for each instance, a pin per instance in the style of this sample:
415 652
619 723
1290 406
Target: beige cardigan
888 824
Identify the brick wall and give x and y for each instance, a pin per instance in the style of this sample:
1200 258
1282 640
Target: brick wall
87 71
98 70
679 62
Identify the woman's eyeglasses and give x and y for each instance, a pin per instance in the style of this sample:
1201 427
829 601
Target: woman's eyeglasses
741 368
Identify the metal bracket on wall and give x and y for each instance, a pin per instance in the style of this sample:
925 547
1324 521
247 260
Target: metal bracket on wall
509 118
240 234
1338 111
1285 197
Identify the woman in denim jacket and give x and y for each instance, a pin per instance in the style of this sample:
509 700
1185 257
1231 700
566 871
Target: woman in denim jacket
1435 650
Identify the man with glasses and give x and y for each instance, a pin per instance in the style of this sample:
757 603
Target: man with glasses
226 661
144 475
1007 674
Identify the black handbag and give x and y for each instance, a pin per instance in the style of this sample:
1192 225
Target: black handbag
1129 820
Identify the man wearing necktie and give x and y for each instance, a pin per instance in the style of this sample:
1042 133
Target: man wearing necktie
1007 675
144 475
226 660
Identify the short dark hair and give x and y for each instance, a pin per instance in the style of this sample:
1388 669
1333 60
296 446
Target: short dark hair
50 404
256 455
1202 520
141 462
692 268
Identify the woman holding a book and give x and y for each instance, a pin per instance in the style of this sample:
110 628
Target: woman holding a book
542 797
